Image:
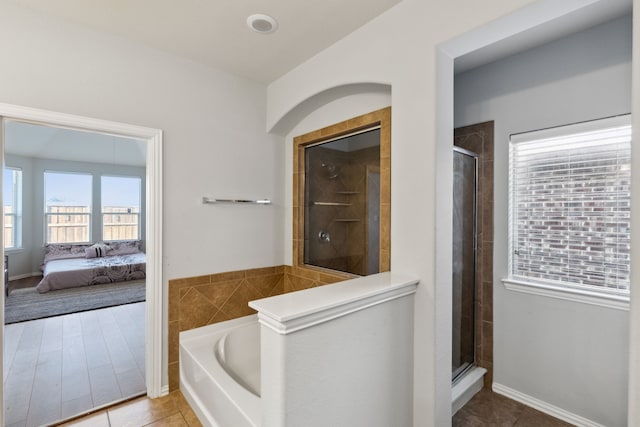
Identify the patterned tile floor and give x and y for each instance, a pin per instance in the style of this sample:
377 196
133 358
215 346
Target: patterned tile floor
167 411
490 409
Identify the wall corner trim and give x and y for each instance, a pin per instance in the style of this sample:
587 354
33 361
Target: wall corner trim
295 311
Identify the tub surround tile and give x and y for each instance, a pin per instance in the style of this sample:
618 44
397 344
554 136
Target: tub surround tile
190 281
238 303
265 271
224 277
174 376
278 289
174 295
174 342
218 293
199 311
263 285
203 300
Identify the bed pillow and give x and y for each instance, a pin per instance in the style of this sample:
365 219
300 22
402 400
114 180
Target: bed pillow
96 251
124 247
57 251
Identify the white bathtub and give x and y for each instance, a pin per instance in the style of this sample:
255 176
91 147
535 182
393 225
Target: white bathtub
220 372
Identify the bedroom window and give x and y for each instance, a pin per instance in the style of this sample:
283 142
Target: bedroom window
570 207
67 207
12 191
121 207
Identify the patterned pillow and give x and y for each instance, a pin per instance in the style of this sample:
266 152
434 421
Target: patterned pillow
57 251
124 247
97 250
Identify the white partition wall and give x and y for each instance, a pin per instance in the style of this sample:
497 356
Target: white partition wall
339 355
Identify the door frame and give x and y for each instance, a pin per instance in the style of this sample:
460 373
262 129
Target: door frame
153 229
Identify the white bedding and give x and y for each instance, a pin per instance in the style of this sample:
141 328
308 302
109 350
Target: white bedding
75 272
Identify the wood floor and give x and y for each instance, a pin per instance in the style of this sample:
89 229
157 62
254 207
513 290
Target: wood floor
62 366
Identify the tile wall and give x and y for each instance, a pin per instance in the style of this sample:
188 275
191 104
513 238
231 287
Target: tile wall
204 300
479 139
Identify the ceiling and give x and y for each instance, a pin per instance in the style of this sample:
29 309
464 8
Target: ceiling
582 19
48 142
215 32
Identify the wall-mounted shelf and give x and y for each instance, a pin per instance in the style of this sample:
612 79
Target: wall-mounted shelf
331 204
347 220
210 201
348 193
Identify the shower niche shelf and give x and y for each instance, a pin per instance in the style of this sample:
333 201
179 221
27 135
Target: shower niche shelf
348 193
331 204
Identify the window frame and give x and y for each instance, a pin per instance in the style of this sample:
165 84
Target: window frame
17 214
560 289
88 214
103 213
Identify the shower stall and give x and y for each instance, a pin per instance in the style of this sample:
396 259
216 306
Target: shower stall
465 230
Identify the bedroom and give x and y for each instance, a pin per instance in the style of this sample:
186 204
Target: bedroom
65 190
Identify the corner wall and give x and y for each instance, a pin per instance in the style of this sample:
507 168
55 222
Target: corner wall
567 354
213 134
400 49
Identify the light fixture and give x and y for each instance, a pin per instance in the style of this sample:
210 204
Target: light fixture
263 24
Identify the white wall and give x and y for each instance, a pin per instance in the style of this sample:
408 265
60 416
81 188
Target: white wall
28 259
214 133
405 48
567 354
318 112
399 49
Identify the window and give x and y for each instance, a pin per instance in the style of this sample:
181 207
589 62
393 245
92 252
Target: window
12 191
120 208
570 206
67 207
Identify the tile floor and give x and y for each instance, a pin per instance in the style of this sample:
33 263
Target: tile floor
167 411
490 409
486 409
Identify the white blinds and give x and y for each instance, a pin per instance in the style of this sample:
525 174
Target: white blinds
570 204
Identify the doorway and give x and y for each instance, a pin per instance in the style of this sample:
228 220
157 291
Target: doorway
152 139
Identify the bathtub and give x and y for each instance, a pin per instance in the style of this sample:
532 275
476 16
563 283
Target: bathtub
220 372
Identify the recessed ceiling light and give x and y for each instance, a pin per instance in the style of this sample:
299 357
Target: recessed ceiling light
263 24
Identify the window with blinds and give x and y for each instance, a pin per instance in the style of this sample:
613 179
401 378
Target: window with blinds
570 205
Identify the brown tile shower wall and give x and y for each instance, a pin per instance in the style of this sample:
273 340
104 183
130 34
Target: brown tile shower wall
204 300
479 139
346 224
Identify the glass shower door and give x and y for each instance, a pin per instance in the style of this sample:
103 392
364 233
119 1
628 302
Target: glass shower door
465 171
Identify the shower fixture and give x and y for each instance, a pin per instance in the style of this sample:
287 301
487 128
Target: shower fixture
324 236
331 170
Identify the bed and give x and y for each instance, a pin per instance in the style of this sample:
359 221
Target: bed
69 266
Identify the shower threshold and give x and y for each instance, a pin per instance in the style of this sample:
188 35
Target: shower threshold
466 386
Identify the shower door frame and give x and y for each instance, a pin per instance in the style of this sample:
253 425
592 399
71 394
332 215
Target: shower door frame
459 373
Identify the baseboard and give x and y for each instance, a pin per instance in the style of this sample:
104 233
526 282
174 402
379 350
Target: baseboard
542 406
164 390
24 276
